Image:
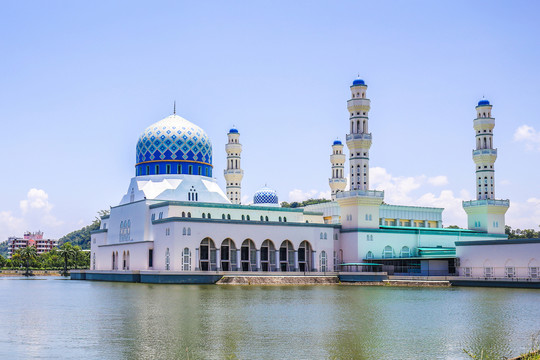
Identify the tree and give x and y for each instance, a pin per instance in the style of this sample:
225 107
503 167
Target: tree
66 252
28 255
453 227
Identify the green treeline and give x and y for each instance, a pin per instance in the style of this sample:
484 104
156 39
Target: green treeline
63 258
521 234
296 204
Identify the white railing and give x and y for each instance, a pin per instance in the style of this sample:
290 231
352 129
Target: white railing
486 202
485 152
363 193
362 136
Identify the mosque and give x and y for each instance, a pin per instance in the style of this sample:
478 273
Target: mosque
175 217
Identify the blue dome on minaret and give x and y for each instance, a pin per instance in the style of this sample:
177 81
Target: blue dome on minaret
358 82
174 146
266 196
483 102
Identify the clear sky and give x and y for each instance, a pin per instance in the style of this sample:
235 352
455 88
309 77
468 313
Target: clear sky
82 79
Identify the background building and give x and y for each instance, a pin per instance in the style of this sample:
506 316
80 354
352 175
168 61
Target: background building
31 239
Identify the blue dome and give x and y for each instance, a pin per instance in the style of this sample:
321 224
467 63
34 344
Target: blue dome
233 131
174 146
483 102
358 82
337 142
265 196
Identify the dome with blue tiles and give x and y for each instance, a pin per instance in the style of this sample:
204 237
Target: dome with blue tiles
358 82
337 142
174 146
265 196
233 131
483 102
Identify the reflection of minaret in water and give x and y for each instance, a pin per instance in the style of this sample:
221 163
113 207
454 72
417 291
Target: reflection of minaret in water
359 139
337 181
234 173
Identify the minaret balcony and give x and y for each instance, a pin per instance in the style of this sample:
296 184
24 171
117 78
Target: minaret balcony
492 202
485 152
361 136
361 193
337 181
233 171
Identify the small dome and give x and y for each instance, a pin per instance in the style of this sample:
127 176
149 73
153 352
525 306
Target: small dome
483 102
358 82
337 142
265 196
233 131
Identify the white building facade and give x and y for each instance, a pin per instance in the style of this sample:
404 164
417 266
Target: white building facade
174 216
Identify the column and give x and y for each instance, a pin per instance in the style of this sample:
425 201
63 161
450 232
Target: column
218 259
258 260
278 268
313 261
238 267
295 260
197 259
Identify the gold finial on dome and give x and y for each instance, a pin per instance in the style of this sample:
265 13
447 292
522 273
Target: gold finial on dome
174 108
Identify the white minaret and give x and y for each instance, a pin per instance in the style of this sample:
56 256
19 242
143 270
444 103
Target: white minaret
234 173
485 213
359 138
337 181
485 155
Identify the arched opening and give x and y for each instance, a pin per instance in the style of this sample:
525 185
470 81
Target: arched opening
183 214
305 252
248 256
207 257
358 126
369 255
167 259
124 261
286 256
268 256
534 269
364 127
490 146
228 255
228 216
128 260
113 261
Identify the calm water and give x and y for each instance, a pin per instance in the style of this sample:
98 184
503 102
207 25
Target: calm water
54 318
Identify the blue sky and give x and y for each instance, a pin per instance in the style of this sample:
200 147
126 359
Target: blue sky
81 80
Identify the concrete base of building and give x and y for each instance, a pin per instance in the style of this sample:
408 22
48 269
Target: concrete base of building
362 276
505 283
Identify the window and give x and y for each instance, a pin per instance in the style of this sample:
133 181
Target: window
179 169
147 169
153 217
369 255
388 252
204 216
183 214
321 236
405 252
161 215
262 218
200 171
167 260
190 169
168 169
467 271
323 262
243 217
488 271
157 169
209 216
150 258
228 216
188 231
188 214
509 271
186 260
266 218
248 218
223 216
184 231
533 272
325 236
284 219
